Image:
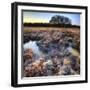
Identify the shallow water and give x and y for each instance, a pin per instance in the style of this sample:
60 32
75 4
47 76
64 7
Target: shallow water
33 46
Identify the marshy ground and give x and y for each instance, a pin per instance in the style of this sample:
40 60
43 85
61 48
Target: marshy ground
51 51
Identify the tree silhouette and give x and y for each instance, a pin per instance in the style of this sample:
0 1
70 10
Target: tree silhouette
57 19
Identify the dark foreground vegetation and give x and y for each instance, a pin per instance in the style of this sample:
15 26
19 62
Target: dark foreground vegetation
50 25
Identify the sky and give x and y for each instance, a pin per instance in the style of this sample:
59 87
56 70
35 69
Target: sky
44 17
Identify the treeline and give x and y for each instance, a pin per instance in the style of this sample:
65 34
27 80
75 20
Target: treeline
49 25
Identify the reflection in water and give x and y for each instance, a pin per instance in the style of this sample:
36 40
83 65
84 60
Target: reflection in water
33 45
73 51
